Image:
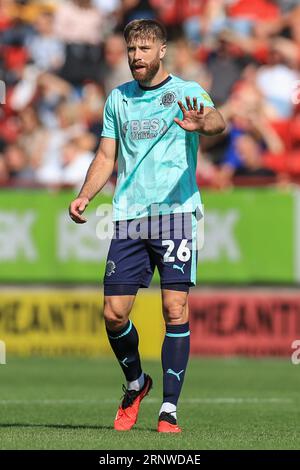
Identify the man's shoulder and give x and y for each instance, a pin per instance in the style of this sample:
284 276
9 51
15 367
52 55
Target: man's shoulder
193 88
185 85
182 81
127 88
191 84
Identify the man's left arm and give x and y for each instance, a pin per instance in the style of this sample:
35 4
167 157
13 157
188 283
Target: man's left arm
213 122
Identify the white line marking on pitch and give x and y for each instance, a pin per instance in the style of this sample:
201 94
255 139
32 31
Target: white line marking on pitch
212 401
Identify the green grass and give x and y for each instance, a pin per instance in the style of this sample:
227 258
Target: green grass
70 403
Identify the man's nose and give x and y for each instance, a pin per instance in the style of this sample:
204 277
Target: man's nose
137 55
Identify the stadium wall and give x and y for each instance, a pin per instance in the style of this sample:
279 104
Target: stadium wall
249 322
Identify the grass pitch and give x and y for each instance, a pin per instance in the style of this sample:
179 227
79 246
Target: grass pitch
70 403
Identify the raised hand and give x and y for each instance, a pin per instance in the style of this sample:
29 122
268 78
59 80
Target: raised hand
193 118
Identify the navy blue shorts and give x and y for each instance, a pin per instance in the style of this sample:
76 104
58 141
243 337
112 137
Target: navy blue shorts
167 242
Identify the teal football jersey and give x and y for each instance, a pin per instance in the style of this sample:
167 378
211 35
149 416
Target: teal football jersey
156 158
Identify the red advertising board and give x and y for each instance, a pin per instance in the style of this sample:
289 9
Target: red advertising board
244 322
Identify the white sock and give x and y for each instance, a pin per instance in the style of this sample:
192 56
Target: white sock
136 384
168 408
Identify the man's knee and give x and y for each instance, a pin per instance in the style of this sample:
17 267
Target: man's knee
175 310
116 311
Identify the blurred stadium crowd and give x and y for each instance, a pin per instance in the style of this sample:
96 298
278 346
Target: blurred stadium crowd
59 60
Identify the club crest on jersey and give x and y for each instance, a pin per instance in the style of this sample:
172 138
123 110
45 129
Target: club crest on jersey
168 99
110 268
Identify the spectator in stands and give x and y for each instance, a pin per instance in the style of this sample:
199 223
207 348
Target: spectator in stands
107 8
78 21
52 91
185 64
17 164
4 175
225 68
69 125
249 133
276 82
243 15
249 150
116 70
75 163
92 105
207 21
80 25
5 14
134 10
33 136
46 50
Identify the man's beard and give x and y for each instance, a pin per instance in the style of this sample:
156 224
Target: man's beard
146 74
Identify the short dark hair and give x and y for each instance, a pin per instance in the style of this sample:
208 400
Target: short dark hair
145 29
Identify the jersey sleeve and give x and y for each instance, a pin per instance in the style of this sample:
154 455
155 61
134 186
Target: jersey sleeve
192 90
110 125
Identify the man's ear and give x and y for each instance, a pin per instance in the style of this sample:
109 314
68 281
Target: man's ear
163 50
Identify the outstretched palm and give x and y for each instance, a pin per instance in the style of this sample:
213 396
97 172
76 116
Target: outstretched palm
193 118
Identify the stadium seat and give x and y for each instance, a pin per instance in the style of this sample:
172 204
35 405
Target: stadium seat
283 128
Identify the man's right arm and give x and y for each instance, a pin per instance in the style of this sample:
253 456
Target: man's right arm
97 176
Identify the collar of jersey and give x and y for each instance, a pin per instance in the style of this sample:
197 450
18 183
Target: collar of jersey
154 87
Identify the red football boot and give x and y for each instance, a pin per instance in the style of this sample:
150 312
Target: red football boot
128 411
167 423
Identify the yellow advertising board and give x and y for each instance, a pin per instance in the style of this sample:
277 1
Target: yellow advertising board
70 321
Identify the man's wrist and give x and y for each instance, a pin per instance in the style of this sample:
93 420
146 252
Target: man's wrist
83 196
203 127
209 126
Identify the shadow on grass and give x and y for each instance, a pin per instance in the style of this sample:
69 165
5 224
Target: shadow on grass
67 426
